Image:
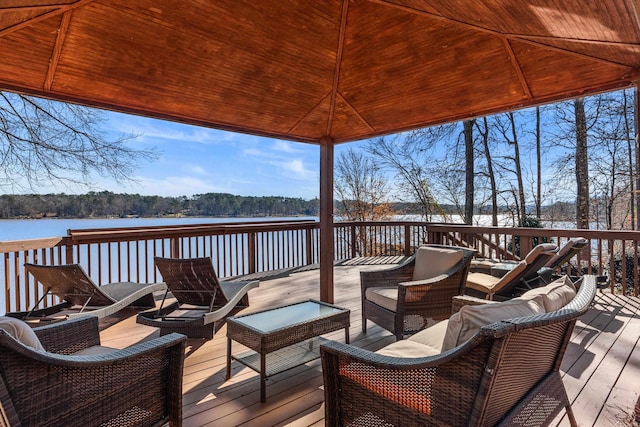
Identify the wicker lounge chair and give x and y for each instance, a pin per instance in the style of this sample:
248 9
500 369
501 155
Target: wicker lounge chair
75 382
201 298
522 276
404 299
506 373
81 296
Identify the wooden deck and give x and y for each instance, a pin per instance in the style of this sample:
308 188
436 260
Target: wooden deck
601 368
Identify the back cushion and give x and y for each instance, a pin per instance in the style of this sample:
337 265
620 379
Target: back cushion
465 323
555 295
432 261
21 332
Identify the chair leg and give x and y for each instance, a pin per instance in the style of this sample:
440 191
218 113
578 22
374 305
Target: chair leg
364 324
571 416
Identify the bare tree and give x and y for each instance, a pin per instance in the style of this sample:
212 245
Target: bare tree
410 157
538 137
491 176
506 126
470 175
43 142
361 191
582 165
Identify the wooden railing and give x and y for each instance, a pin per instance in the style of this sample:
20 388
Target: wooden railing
237 249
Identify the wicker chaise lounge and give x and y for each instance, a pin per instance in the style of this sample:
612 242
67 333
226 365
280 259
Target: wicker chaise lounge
64 378
201 298
569 250
506 372
524 275
404 299
81 296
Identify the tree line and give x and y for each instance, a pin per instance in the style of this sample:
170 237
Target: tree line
581 153
108 204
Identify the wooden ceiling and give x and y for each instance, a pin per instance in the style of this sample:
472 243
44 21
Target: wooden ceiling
332 70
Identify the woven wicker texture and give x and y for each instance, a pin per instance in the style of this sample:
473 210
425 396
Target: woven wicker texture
194 282
417 301
137 386
507 374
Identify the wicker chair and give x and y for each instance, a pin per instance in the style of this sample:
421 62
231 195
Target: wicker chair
201 298
81 296
404 299
505 374
137 386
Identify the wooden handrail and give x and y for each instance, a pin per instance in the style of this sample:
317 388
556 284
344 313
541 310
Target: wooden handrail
126 254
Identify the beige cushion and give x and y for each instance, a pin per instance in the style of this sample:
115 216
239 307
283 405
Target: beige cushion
489 284
21 332
555 295
406 348
465 323
538 249
433 261
384 296
433 336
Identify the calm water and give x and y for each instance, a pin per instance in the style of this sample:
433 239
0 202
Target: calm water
19 229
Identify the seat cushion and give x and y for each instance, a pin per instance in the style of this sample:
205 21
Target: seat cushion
433 261
384 296
433 336
21 332
464 324
555 295
407 348
489 284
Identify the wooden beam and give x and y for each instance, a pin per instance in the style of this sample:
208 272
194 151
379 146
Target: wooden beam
517 68
55 55
326 220
336 74
44 16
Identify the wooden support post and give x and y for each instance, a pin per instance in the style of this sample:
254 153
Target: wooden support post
326 220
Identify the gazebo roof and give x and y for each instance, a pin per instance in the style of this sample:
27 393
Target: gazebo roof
314 70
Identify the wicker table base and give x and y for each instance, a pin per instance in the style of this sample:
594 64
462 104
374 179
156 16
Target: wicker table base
284 337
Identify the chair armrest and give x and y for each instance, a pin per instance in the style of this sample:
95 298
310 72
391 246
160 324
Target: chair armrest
388 277
425 282
461 300
69 336
139 384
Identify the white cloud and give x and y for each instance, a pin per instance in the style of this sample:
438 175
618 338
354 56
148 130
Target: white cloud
151 130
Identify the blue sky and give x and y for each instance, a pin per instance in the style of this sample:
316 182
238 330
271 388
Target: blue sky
195 160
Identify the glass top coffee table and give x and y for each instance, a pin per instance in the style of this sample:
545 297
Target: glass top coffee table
284 337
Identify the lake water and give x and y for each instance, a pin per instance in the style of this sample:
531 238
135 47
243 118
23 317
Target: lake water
19 229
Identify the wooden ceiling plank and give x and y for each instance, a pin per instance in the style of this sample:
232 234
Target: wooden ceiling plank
355 111
307 114
44 16
31 8
336 75
435 16
517 68
57 49
543 39
567 52
518 36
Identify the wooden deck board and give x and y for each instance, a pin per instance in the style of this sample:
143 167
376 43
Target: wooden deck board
600 368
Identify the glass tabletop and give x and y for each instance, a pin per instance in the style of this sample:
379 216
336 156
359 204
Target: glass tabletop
278 318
